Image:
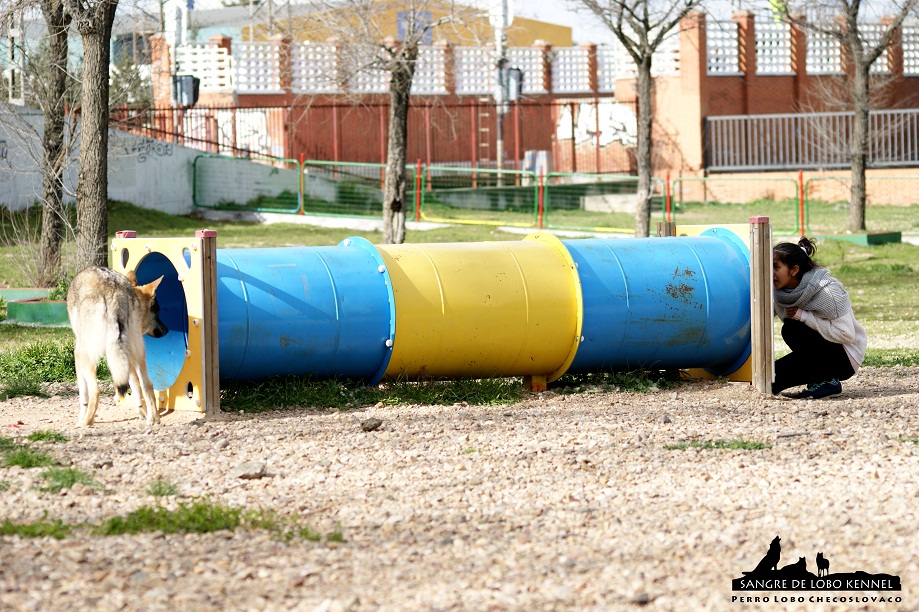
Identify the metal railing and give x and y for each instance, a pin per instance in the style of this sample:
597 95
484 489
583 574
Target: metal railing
808 140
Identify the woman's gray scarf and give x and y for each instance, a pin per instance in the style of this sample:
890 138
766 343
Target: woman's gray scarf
818 292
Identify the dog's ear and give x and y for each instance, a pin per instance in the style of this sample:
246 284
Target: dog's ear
132 276
150 288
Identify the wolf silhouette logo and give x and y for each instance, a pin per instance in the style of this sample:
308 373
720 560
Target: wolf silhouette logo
770 560
768 576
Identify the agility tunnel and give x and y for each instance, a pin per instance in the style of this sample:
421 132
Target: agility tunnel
538 308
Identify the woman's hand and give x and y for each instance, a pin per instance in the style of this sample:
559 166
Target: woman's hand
792 312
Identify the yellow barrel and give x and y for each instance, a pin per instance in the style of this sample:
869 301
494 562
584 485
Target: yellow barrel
484 309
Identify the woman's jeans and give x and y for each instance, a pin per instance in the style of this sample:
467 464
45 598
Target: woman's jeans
813 358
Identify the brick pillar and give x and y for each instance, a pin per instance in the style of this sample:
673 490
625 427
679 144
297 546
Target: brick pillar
845 55
161 66
593 81
285 67
224 42
546 77
694 91
798 58
449 66
895 62
746 38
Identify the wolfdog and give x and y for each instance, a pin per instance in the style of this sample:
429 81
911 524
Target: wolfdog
109 315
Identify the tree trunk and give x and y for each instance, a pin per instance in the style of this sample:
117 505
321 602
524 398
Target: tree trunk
92 183
55 157
394 204
858 148
643 209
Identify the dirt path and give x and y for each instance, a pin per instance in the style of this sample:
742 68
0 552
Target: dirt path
558 502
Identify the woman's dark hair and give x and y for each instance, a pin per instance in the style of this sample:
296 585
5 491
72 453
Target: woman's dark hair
800 254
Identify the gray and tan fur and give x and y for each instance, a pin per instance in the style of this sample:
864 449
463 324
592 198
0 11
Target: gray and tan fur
109 315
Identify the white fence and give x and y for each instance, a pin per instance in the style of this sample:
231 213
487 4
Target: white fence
773 48
325 68
316 68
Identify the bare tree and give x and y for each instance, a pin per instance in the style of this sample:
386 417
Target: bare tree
52 99
45 82
367 46
93 20
641 26
845 21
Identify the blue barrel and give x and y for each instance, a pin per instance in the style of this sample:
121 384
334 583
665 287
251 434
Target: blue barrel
663 303
319 311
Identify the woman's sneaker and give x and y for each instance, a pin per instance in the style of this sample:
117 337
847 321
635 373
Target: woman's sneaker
827 388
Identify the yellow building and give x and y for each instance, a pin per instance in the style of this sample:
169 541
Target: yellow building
467 26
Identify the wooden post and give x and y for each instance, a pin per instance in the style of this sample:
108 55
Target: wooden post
210 383
535 383
761 318
666 228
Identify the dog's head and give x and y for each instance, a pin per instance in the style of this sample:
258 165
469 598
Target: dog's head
152 325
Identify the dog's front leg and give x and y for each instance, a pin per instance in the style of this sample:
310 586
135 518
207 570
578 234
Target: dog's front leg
142 380
137 395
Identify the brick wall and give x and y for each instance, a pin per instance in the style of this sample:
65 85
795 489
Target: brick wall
682 103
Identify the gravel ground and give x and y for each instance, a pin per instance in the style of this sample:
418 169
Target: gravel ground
557 502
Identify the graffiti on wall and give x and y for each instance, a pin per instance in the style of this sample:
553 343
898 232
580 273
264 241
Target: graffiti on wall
144 148
4 149
608 121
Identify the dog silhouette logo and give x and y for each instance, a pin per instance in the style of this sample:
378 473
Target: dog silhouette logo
823 565
767 575
769 562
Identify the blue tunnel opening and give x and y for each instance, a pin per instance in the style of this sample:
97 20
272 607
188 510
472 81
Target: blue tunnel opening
166 355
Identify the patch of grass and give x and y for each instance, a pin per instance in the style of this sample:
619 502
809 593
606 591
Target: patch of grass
470 451
41 360
39 529
20 384
737 444
913 440
59 478
310 534
162 487
288 391
196 517
47 435
203 516
200 516
26 366
630 381
13 337
7 444
335 536
887 358
292 391
5 485
478 392
27 458
60 290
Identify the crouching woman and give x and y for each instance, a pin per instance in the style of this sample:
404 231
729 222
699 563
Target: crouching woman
827 343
